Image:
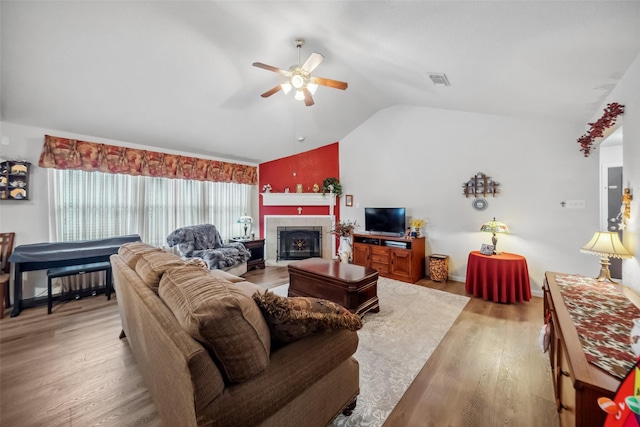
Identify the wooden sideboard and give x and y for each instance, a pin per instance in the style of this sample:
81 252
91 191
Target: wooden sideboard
393 257
577 383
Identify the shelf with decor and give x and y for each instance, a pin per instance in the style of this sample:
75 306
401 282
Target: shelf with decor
480 185
14 180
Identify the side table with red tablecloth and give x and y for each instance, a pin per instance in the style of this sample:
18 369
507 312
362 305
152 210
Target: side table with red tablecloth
499 278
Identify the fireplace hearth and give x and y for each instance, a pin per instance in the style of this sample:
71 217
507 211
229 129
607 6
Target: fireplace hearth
299 242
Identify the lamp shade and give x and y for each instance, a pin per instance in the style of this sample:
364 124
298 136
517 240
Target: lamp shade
245 219
606 243
494 227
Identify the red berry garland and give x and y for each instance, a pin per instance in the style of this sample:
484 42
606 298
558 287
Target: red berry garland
607 120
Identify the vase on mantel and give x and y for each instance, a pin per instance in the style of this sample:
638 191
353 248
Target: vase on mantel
344 250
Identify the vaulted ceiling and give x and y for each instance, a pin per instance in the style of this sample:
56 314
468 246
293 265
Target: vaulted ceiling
178 74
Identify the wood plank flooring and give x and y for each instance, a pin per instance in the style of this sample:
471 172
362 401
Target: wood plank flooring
70 369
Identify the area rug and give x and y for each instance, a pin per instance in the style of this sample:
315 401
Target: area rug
395 344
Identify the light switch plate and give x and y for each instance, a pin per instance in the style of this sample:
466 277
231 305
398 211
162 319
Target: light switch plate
576 204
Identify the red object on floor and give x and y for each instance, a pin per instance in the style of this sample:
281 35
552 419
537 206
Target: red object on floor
499 278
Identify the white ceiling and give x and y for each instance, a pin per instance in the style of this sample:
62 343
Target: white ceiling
178 74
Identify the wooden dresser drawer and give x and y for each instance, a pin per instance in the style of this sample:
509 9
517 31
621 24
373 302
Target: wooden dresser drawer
395 257
380 267
380 258
380 250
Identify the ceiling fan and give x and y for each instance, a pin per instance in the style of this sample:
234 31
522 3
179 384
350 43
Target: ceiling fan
299 78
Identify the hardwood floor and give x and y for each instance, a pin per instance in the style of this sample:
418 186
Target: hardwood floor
70 369
487 371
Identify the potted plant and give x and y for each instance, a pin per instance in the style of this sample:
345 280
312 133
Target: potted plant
344 230
330 184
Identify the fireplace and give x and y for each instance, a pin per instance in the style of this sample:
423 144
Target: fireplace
271 243
299 242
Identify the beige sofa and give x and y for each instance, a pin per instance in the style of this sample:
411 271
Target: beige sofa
230 375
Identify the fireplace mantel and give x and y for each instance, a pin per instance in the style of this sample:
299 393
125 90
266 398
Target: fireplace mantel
298 199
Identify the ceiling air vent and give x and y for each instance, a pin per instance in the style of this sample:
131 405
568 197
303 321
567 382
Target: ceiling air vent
439 79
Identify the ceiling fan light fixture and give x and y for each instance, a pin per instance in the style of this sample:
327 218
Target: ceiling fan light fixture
299 78
297 81
286 87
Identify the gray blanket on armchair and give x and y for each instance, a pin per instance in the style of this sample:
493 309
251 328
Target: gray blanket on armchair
204 241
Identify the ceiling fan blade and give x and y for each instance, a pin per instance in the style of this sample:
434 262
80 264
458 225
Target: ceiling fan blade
312 62
308 99
330 83
271 91
270 68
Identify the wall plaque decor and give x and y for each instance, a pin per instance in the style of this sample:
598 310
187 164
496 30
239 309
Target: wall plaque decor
14 180
480 185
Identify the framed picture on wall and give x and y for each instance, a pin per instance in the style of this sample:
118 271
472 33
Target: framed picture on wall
348 199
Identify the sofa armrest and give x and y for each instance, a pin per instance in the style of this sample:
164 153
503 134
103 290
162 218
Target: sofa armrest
293 369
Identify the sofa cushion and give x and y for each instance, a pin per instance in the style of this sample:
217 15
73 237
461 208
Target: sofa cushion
198 262
152 265
222 317
291 319
221 274
131 252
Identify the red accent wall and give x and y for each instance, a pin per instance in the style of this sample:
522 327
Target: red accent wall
310 167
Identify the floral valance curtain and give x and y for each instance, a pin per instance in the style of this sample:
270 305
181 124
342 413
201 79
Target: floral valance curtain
64 153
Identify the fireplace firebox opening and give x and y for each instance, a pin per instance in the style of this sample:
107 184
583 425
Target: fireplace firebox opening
299 242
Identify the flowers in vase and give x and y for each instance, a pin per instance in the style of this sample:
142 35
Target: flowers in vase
344 228
417 223
266 188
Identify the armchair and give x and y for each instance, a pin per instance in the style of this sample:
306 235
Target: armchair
204 241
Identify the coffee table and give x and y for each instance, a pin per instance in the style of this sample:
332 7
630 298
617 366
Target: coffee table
352 286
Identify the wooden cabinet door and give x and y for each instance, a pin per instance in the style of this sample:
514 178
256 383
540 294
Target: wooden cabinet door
361 254
401 263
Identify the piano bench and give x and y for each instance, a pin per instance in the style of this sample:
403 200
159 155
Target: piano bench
73 270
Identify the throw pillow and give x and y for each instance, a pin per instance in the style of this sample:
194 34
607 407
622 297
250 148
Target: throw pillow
131 252
291 319
152 266
222 317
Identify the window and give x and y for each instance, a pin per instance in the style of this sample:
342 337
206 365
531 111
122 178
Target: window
94 205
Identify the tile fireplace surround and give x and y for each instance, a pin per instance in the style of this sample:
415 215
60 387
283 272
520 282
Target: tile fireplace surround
272 222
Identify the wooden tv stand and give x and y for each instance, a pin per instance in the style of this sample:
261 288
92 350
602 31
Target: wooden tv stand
393 257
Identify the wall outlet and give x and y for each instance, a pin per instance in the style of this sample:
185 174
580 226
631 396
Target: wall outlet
576 204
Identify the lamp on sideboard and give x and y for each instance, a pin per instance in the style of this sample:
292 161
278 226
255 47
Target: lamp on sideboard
494 227
246 221
607 245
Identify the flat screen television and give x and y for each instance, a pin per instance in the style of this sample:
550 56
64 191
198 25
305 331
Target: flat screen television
385 220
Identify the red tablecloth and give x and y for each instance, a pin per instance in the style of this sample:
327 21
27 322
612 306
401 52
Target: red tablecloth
499 278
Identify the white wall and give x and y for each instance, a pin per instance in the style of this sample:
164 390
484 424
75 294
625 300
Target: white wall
30 219
419 158
627 93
